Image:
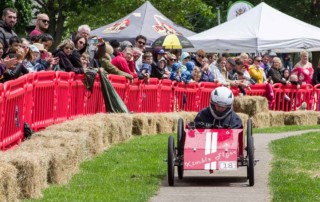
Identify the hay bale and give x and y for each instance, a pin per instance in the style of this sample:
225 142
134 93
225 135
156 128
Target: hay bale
144 124
31 177
8 182
244 118
118 128
66 151
301 118
276 118
94 125
261 120
250 105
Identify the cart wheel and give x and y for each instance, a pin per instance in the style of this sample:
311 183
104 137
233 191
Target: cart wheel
171 161
250 153
180 143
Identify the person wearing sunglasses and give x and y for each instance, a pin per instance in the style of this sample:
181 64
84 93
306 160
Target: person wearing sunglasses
42 25
197 60
256 71
69 57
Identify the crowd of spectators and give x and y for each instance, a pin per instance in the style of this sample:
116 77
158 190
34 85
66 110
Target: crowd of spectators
81 51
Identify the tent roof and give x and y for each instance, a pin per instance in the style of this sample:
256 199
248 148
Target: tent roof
259 29
146 20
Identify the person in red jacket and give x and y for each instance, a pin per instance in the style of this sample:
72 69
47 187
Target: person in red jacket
124 61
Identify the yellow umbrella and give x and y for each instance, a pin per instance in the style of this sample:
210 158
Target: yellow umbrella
172 41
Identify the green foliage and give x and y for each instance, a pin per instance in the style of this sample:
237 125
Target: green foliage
282 129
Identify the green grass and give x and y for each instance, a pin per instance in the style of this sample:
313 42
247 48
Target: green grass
130 171
281 129
295 172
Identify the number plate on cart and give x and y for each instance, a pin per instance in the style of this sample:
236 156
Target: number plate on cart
227 165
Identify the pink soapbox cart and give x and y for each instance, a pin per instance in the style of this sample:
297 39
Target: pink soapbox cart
210 149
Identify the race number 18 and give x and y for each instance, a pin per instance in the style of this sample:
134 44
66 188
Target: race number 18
224 165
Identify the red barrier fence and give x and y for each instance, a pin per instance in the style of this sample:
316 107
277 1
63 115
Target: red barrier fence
45 98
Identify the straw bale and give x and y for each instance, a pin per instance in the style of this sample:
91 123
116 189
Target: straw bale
144 124
244 118
8 182
301 118
261 120
118 128
66 151
276 118
250 105
94 125
31 172
164 123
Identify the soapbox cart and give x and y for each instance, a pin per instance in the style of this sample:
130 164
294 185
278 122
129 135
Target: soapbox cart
210 149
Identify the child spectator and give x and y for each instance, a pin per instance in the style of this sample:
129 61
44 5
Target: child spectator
175 73
186 76
145 70
85 60
196 74
159 71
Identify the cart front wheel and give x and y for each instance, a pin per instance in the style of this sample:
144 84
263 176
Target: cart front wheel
170 160
250 154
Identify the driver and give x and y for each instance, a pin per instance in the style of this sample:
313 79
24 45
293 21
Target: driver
220 113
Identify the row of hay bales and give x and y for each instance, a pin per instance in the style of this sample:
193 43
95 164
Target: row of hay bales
256 108
53 155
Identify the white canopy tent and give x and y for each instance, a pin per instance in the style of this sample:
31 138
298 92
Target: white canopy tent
260 29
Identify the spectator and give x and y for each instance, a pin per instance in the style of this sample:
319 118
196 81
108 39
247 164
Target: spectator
186 75
240 77
69 59
265 64
207 75
83 31
46 39
196 74
184 58
137 54
42 25
316 75
244 57
9 20
287 63
140 43
274 72
85 60
125 44
124 61
16 70
145 70
31 57
81 44
159 71
303 70
212 58
175 74
171 59
5 63
197 60
116 47
256 71
104 61
14 44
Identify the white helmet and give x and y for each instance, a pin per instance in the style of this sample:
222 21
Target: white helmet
221 96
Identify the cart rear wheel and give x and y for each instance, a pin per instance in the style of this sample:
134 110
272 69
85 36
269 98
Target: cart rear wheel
180 143
250 153
170 160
